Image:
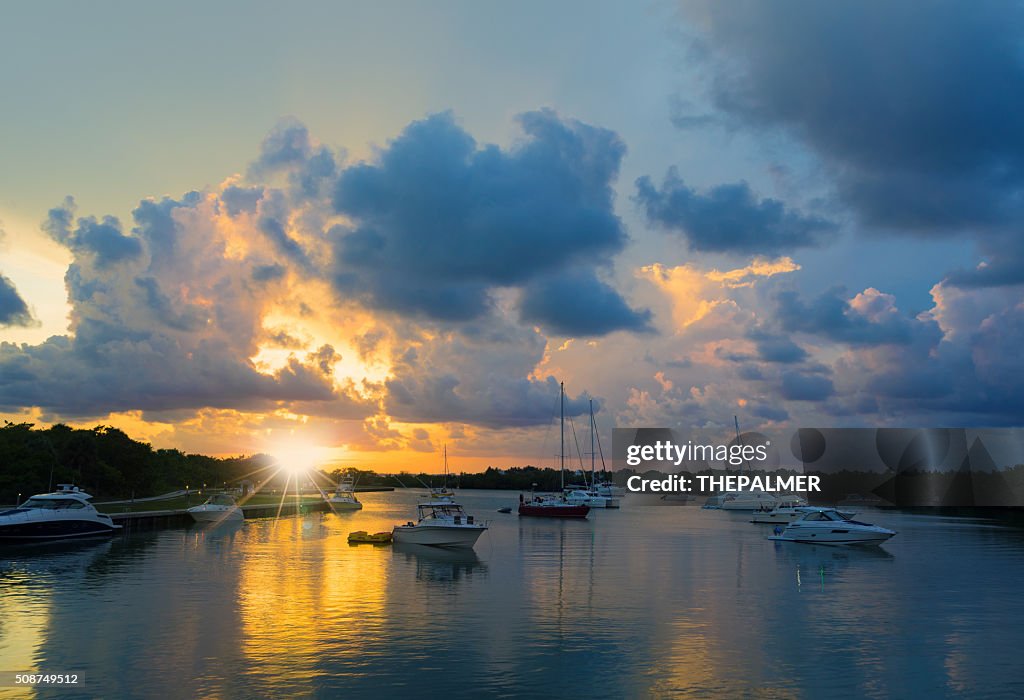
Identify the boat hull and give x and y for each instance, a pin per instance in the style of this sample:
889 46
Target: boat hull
344 505
438 535
55 530
840 535
553 510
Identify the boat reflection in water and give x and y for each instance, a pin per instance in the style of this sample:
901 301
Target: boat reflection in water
814 564
440 564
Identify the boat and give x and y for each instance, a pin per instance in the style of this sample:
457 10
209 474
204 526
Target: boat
786 512
441 492
750 500
440 524
62 514
830 526
505 509
715 502
554 506
344 497
363 537
582 495
590 495
219 508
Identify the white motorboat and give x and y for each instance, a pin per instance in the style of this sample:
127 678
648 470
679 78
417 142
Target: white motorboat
344 497
63 514
440 524
830 526
786 510
219 508
749 500
583 496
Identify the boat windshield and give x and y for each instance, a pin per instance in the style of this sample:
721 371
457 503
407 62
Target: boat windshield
826 515
53 503
434 511
221 500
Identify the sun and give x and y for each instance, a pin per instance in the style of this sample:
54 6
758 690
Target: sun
296 457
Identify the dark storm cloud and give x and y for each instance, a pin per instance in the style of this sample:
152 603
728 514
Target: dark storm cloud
914 106
728 218
830 315
13 309
101 240
440 221
579 304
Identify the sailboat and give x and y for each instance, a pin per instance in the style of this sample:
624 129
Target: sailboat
591 495
443 493
554 506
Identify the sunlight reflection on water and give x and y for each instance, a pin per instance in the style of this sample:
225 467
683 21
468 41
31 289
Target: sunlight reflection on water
639 602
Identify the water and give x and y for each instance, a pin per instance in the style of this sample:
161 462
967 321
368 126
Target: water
647 601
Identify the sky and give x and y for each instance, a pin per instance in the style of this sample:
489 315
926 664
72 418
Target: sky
361 232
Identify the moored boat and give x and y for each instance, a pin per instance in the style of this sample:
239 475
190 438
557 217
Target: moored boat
440 524
344 497
219 508
62 514
830 526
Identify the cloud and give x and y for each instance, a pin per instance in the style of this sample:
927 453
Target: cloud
579 304
728 218
440 222
103 241
869 318
166 318
13 309
914 109
286 145
798 386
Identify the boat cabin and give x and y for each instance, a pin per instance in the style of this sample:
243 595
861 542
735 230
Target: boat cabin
443 511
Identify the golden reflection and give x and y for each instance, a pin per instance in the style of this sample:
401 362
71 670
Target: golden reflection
23 627
292 617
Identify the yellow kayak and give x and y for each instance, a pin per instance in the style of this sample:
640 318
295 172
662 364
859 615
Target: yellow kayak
361 537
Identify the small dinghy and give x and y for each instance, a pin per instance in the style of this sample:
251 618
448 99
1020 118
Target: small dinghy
363 537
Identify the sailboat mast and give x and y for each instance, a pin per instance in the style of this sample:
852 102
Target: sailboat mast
593 472
561 418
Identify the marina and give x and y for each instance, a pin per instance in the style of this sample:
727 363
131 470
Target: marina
670 601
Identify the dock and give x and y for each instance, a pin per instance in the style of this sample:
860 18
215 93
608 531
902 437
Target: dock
154 519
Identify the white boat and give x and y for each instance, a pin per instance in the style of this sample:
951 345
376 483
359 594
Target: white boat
829 526
787 512
595 495
62 514
583 496
749 500
344 497
440 524
220 508
606 488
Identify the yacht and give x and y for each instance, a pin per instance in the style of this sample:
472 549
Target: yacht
749 500
440 524
581 495
829 526
62 514
344 497
786 512
220 508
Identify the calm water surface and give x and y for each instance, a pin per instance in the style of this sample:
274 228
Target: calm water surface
646 601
